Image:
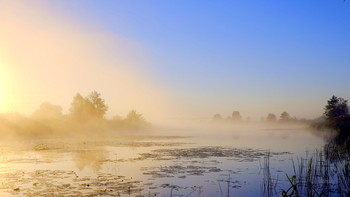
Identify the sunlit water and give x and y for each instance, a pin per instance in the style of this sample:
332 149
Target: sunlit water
188 163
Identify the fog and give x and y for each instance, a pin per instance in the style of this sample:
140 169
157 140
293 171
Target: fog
48 58
83 113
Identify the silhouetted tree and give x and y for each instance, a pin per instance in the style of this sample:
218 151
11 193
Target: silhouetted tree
337 117
217 117
99 108
48 111
79 107
236 116
135 120
337 113
87 108
134 117
284 117
271 117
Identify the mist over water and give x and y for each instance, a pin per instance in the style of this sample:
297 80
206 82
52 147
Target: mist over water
113 98
160 161
46 58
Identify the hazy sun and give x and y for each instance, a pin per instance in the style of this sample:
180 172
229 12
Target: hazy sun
1 91
1 94
4 79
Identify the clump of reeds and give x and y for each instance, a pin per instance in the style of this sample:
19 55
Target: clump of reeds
314 176
269 184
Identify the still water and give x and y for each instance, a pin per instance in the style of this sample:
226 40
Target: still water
223 162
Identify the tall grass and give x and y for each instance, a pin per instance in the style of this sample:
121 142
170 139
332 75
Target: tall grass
324 173
269 183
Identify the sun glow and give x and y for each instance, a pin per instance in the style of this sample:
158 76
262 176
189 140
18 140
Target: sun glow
1 91
50 59
4 90
2 84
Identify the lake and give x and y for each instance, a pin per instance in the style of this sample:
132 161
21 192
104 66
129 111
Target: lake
194 162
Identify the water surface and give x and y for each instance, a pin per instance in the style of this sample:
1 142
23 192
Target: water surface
226 162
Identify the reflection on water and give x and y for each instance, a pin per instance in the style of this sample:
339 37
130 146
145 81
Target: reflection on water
90 158
217 163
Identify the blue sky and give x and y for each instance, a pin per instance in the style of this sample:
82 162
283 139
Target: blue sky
219 56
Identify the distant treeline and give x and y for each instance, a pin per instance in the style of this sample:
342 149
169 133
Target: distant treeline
270 118
86 114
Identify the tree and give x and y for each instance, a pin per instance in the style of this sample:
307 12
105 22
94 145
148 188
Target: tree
284 117
99 108
337 113
236 116
135 120
217 117
48 111
92 106
134 117
78 107
271 117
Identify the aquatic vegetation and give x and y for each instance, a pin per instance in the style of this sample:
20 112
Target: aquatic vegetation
238 154
317 175
268 183
66 183
229 182
178 170
129 165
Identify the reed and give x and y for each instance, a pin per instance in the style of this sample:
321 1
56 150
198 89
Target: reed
324 173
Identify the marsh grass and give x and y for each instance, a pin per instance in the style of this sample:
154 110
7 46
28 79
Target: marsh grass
325 173
269 183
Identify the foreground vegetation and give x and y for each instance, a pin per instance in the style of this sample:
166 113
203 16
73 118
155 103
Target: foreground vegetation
327 172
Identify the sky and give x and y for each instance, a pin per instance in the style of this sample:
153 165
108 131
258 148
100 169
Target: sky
176 59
